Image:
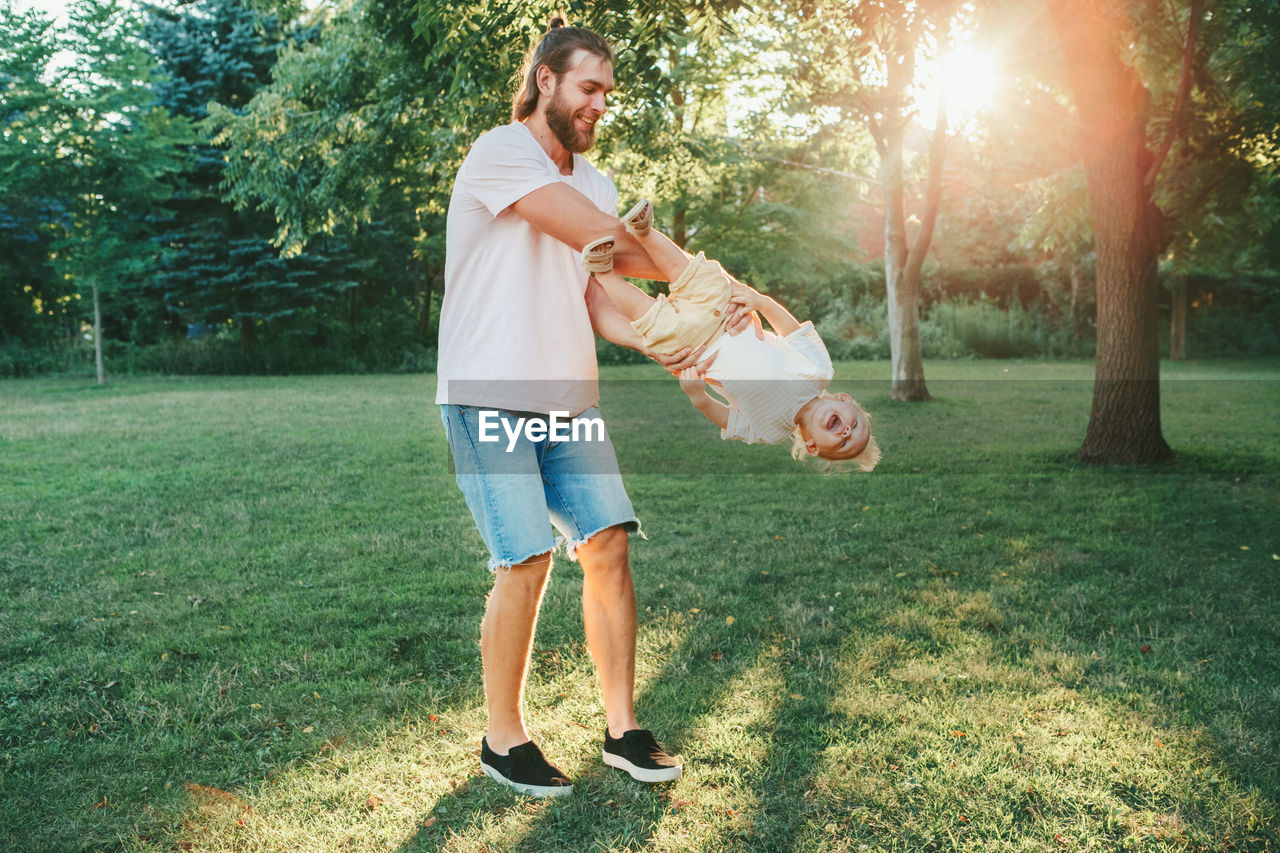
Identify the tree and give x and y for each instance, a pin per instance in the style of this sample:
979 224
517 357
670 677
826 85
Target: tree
220 265
1217 189
1112 102
115 149
349 140
1132 118
34 299
371 120
864 61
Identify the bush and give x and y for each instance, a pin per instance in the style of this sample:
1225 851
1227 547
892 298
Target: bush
223 355
1218 333
1005 285
855 332
952 330
608 353
983 329
23 362
1229 317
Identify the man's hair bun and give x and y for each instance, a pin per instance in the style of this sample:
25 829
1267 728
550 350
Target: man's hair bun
556 23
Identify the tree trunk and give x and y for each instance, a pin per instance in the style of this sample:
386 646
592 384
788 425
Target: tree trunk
1178 320
248 328
97 336
426 280
901 273
1075 299
248 334
679 227
1124 426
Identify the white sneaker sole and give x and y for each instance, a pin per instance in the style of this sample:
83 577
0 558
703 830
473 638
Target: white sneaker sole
531 790
642 774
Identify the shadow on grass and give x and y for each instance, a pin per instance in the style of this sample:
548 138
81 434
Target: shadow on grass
635 810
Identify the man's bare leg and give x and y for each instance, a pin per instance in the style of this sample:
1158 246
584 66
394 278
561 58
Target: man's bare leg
609 621
506 640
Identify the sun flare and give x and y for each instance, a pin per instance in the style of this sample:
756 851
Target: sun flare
967 79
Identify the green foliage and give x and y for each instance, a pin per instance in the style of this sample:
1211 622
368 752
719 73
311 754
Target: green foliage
116 146
217 264
1003 286
1232 316
36 304
294 352
855 331
336 131
24 360
983 329
85 156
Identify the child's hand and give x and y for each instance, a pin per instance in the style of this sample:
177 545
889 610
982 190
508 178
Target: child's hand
746 296
692 382
744 304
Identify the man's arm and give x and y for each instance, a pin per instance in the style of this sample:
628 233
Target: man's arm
566 214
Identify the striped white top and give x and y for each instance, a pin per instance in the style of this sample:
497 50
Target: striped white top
766 382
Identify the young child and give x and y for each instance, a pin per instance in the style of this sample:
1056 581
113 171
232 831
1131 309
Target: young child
775 387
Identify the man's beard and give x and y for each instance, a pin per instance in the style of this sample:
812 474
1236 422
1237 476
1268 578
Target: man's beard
561 121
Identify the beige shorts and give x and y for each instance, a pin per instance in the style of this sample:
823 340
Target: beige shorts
694 314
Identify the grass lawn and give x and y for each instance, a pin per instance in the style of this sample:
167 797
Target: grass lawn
243 614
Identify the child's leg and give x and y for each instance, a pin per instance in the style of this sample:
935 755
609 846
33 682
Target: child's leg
669 258
597 258
631 300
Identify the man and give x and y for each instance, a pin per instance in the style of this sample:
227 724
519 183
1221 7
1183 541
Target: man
517 344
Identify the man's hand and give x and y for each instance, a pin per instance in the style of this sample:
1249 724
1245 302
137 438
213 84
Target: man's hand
682 359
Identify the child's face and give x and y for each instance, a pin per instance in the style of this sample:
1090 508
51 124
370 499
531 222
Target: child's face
835 428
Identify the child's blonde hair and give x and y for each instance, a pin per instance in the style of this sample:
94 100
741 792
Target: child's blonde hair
865 461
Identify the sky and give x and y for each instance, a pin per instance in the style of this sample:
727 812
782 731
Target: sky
54 6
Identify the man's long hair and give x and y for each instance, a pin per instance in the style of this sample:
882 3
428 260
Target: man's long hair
554 51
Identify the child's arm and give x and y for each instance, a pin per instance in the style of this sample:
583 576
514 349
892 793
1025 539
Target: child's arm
753 300
693 384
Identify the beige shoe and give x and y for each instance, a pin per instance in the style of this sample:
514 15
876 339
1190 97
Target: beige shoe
597 256
639 219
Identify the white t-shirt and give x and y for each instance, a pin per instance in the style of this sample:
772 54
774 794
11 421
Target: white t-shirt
766 382
514 329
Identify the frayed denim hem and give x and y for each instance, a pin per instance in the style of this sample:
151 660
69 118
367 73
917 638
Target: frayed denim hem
505 565
632 525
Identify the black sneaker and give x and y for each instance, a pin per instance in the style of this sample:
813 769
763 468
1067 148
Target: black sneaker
525 769
638 753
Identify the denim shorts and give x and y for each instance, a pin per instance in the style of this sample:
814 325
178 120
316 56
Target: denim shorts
518 483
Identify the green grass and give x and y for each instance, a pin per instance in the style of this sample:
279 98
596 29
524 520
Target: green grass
235 610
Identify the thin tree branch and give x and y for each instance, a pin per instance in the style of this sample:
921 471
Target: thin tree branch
877 135
1180 103
797 165
933 192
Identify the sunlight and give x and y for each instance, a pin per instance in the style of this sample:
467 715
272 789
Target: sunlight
968 78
